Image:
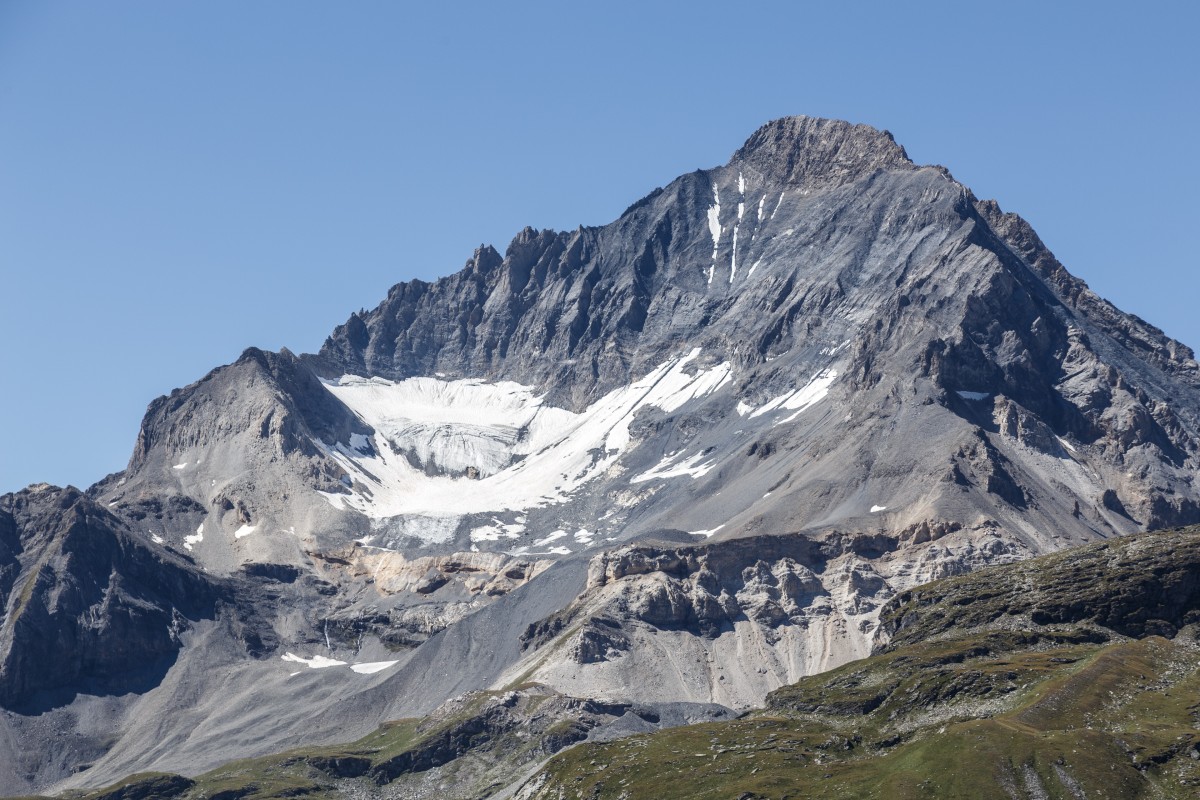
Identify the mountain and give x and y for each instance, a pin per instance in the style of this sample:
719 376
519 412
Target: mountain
684 458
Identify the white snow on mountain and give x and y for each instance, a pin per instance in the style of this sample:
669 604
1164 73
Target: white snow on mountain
800 399
671 467
190 541
315 662
521 453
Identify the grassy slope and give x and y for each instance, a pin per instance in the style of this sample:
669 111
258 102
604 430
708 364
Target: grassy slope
407 750
1115 720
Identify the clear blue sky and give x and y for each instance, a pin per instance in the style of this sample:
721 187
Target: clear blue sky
181 180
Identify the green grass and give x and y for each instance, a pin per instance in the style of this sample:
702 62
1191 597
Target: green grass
1114 720
314 772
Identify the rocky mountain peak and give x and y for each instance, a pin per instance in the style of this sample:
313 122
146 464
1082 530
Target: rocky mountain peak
730 425
815 151
486 258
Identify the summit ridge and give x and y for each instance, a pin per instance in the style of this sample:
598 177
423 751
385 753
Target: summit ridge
815 151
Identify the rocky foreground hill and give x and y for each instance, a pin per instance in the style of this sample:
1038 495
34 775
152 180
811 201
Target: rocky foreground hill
638 475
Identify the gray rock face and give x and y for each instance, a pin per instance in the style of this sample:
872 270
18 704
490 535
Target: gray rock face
579 313
765 399
88 606
727 621
237 450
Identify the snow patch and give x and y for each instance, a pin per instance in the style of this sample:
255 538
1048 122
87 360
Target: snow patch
800 399
714 220
974 395
195 538
496 531
668 468
778 203
709 532
371 667
180 466
245 530
156 538
733 258
316 662
744 408
553 537
877 509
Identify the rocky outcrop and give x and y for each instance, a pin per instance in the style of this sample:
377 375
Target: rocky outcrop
479 723
147 787
458 574
786 605
292 408
239 450
810 153
410 600
87 605
1146 585
1136 334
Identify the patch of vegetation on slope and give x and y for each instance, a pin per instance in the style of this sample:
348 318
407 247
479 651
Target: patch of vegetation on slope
468 748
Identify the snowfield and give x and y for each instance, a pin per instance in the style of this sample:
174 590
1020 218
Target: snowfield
521 453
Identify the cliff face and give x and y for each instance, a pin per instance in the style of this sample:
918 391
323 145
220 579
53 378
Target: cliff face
87 605
580 312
